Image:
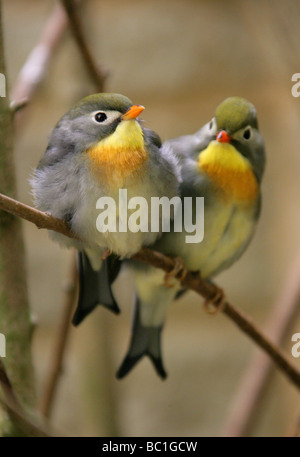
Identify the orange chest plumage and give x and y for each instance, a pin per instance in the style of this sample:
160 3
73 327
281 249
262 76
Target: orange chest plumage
114 165
119 157
229 172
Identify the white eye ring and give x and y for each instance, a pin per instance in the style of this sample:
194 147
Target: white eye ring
105 117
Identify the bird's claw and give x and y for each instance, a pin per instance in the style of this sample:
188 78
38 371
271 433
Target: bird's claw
215 304
178 272
106 254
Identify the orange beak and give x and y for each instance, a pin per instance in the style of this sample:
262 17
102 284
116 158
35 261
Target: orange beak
223 137
133 112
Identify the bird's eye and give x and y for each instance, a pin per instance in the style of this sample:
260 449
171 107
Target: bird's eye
211 124
247 133
100 116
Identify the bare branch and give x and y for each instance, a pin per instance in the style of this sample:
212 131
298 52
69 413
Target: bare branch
31 426
36 65
257 373
40 219
60 342
7 387
191 281
14 303
97 75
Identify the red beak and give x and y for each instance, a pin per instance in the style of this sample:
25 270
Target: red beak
223 137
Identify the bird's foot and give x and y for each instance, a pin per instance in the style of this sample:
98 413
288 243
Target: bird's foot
178 272
106 254
217 303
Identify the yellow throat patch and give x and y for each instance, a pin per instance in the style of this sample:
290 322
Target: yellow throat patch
229 171
120 154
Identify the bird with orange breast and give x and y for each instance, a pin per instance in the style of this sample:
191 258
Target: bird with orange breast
224 163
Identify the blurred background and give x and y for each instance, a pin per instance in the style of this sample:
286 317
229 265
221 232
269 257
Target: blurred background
180 59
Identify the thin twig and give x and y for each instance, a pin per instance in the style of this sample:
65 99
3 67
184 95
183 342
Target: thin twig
257 373
26 424
7 387
36 65
97 75
209 290
31 426
60 343
191 281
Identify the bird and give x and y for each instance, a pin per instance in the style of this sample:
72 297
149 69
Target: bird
223 162
96 150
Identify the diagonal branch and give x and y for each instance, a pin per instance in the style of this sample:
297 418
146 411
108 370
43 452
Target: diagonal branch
40 219
60 342
191 281
31 426
7 387
97 75
35 67
208 290
257 374
26 424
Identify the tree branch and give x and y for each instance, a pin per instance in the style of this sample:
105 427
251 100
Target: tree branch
14 307
191 281
7 387
35 67
256 375
40 219
60 342
96 73
30 426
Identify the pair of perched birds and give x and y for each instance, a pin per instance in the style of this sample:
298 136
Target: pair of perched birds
99 147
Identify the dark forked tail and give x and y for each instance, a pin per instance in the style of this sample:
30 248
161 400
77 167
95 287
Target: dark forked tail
95 286
145 341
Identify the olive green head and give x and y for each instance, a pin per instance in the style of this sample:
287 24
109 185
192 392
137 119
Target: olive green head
234 113
235 121
100 102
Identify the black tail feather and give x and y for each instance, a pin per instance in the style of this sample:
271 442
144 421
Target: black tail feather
95 286
145 341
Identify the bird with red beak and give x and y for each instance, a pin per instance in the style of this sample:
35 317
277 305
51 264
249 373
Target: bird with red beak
224 163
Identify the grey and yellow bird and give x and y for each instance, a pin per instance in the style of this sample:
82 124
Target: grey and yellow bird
97 148
224 163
